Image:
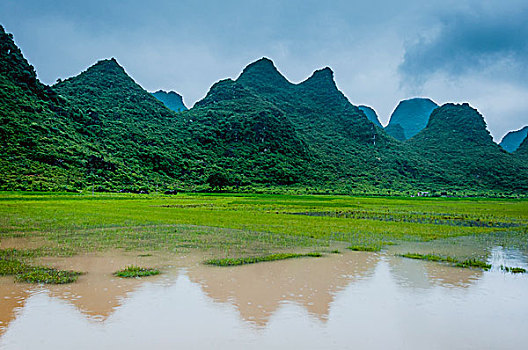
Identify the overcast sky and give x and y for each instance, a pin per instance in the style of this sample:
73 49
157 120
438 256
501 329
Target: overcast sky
381 51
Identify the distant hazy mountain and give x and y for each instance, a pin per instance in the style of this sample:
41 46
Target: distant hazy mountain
412 115
396 131
512 140
371 115
172 100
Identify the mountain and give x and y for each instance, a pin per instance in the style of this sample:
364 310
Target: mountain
347 149
412 115
40 143
140 140
396 131
371 115
101 130
461 152
522 150
250 140
171 100
512 140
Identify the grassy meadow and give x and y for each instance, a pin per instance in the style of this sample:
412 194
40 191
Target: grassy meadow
241 225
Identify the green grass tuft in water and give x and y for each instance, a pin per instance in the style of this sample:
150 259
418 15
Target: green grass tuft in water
363 248
447 259
47 275
257 259
10 266
136 271
513 269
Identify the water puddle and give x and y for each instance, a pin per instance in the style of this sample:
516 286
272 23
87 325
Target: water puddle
349 300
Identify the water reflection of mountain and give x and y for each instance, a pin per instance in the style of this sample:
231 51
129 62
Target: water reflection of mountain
12 297
426 274
96 294
258 290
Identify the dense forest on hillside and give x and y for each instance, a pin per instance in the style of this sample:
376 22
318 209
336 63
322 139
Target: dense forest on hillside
100 130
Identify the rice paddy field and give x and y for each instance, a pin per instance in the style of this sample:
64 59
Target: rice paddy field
242 225
198 271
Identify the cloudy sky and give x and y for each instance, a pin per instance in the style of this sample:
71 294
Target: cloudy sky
381 51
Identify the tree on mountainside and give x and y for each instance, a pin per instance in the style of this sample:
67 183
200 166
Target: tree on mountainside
219 178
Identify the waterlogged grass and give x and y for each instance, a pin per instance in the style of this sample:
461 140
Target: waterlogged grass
23 272
257 259
12 267
513 269
468 263
136 271
47 275
362 248
253 225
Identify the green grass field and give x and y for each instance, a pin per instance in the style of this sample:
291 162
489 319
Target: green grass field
237 225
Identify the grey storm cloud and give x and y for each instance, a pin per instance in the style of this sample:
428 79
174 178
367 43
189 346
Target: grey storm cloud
479 41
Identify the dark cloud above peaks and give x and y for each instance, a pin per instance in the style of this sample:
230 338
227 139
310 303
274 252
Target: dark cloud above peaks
484 40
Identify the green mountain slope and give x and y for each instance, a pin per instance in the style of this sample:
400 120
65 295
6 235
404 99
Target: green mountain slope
512 140
371 115
461 153
101 129
522 150
171 100
40 144
412 115
249 137
142 142
396 131
348 149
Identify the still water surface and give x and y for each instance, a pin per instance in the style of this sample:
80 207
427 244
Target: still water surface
347 301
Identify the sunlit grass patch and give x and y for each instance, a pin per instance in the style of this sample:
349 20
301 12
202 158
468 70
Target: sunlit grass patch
257 259
136 271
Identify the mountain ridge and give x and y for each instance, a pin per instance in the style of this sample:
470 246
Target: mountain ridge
101 129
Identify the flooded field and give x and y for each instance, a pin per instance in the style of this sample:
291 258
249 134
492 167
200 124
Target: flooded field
330 298
348 300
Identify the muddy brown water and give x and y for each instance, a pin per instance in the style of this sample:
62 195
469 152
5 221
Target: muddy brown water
354 300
